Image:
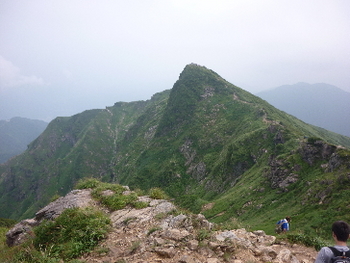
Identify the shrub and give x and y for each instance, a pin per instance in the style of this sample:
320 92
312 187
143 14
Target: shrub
157 193
87 183
140 205
73 233
203 234
307 240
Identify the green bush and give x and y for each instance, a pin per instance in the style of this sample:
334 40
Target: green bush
87 183
307 240
73 233
140 205
157 193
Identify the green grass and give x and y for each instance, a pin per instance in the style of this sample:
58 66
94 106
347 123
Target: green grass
157 193
74 232
111 195
5 222
306 240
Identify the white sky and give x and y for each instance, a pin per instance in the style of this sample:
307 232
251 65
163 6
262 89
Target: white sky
58 58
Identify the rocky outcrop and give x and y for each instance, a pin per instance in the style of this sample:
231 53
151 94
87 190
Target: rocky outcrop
162 233
23 230
316 150
282 173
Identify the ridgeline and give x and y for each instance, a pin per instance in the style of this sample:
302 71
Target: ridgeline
213 147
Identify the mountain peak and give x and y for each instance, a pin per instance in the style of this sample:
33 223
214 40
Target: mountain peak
195 70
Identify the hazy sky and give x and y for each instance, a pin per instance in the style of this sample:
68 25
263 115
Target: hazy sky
58 58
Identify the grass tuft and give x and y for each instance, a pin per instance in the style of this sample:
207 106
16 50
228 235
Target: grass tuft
74 232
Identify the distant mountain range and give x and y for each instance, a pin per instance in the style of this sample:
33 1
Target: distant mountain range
213 147
319 104
16 134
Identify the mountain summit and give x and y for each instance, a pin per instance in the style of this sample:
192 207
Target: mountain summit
213 147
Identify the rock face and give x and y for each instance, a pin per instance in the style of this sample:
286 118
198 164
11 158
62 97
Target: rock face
161 233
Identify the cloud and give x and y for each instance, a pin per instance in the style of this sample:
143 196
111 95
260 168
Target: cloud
10 76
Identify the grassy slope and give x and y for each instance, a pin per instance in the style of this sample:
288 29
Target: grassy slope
204 141
223 133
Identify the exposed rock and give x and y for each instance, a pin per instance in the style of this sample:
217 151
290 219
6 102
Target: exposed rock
154 234
193 244
21 231
186 259
75 198
165 252
317 150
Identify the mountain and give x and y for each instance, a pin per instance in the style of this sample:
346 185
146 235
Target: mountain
319 104
157 231
16 134
212 146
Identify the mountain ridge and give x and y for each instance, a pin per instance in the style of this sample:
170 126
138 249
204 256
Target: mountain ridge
204 141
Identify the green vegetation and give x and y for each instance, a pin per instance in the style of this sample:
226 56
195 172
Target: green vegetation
203 142
152 230
157 193
111 195
309 241
74 232
4 222
203 234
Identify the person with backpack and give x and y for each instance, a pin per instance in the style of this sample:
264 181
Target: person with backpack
282 226
340 251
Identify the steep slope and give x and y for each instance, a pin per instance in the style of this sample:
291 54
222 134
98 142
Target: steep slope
16 134
69 149
217 143
208 143
319 104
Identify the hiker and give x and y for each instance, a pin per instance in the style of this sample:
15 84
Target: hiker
340 233
282 226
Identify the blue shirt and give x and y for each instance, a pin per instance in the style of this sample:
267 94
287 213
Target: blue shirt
285 224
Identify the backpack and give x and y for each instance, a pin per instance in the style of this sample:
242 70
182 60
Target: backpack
339 256
278 228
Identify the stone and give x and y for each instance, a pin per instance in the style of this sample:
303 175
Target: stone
212 260
174 238
175 234
193 244
285 255
186 259
20 232
75 198
165 252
